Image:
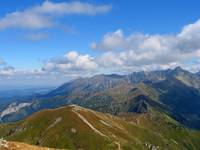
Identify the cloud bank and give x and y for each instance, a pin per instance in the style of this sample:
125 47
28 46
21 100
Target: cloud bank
44 15
118 53
71 62
139 50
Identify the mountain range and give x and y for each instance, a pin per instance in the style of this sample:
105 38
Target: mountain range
176 92
142 110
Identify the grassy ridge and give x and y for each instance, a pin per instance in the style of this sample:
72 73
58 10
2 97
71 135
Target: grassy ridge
73 127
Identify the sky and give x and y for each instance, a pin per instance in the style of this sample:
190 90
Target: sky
49 42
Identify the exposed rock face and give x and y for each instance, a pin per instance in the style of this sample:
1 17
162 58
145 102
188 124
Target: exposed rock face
12 108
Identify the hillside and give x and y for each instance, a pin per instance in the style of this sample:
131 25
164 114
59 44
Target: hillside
175 92
74 127
6 145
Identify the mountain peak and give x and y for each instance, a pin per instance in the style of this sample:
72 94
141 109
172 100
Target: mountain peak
179 69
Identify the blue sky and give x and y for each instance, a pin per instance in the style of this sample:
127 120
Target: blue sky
98 34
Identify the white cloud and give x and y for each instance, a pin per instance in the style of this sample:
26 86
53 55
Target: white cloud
72 8
7 71
190 31
189 37
70 63
111 41
43 16
128 52
66 67
25 19
119 53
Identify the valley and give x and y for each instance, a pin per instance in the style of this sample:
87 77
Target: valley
145 110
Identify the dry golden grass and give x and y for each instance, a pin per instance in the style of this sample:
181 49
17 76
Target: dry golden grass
22 146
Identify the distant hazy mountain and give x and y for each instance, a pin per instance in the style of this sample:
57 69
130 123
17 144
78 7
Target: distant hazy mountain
74 127
198 73
21 95
175 92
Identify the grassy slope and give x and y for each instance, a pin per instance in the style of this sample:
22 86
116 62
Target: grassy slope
63 128
166 127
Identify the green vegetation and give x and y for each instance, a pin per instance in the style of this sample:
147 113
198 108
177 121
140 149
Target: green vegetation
74 127
173 92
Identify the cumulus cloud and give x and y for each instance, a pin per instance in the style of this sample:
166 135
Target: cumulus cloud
54 71
189 37
120 53
115 40
43 16
71 62
141 50
7 71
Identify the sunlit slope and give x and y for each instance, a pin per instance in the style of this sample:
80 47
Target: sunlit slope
74 127
6 145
